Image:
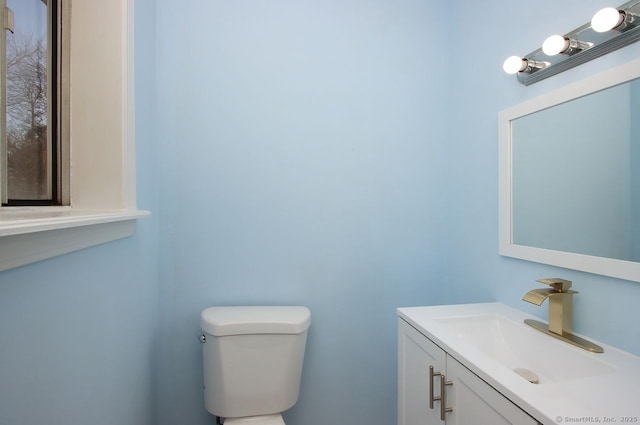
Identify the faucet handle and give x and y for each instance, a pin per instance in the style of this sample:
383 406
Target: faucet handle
560 285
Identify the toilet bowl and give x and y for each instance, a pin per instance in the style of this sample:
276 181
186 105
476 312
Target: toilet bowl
252 358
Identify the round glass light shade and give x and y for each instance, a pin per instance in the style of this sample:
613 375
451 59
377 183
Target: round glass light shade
554 45
606 19
514 64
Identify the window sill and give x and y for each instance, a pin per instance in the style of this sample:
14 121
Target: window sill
28 234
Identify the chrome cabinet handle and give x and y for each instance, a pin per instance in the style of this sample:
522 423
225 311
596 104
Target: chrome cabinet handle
443 397
433 374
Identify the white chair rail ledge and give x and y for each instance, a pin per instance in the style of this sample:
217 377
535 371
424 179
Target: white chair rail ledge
28 235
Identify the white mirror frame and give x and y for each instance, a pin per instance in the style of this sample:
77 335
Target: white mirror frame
621 269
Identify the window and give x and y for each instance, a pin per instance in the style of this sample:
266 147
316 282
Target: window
97 139
31 116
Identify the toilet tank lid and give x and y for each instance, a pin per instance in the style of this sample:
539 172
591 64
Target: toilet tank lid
239 320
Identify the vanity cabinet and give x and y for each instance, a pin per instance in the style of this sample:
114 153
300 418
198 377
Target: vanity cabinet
433 388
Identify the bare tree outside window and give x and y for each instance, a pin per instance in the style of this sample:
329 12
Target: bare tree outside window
27 147
27 151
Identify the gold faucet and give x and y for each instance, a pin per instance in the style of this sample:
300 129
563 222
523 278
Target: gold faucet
560 312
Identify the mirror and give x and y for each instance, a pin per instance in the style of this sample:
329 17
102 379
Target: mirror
570 176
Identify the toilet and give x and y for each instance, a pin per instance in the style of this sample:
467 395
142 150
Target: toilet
252 359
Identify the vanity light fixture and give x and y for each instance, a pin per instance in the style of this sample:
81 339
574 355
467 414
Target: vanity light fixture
610 29
557 44
610 18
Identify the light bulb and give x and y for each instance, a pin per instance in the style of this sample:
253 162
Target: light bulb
607 19
514 64
555 44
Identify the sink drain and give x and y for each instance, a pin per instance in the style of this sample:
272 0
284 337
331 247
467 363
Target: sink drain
527 374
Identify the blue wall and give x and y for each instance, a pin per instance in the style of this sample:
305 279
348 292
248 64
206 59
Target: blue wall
336 154
303 148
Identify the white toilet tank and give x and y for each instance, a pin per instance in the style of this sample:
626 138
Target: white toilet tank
253 358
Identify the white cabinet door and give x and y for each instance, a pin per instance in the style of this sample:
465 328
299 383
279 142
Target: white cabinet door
472 400
476 402
415 354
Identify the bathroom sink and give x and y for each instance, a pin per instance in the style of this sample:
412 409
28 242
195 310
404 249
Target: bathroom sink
552 380
522 349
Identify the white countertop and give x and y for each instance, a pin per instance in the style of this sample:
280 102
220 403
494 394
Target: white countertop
612 397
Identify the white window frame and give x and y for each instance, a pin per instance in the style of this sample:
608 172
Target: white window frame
102 144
